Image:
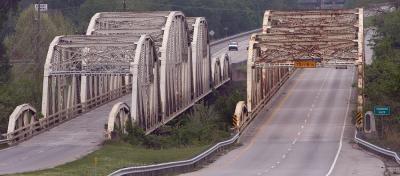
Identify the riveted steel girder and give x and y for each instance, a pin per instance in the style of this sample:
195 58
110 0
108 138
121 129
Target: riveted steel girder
170 33
80 69
166 73
335 37
326 34
201 63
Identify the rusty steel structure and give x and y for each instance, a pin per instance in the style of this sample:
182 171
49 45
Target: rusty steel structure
161 58
327 37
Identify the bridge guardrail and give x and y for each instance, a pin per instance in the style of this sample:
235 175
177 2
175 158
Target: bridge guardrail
377 148
55 119
234 36
157 169
3 139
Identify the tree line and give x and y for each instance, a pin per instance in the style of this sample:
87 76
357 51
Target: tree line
383 75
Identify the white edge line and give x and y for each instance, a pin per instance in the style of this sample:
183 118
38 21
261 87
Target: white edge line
342 133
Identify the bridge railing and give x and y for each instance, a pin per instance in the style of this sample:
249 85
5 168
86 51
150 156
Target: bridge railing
43 124
3 139
376 148
240 120
177 166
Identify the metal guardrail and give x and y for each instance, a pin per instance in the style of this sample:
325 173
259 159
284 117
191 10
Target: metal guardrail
234 36
44 124
3 139
377 148
163 168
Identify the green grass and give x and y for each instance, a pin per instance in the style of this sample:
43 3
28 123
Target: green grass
3 146
116 155
369 21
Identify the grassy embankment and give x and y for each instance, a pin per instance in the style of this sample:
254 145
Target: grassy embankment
115 155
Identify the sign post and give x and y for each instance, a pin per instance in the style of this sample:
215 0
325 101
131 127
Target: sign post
382 111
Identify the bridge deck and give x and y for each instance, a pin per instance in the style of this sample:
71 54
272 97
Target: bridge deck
66 142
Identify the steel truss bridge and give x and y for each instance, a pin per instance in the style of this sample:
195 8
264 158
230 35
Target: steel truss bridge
335 37
161 58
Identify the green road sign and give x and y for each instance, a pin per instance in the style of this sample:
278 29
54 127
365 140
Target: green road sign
381 110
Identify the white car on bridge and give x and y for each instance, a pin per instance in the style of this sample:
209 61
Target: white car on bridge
233 46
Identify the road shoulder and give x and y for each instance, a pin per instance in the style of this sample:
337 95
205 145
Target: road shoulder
353 160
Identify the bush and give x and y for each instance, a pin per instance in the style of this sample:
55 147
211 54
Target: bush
197 127
382 77
205 123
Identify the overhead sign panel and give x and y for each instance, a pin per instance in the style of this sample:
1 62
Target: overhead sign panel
305 64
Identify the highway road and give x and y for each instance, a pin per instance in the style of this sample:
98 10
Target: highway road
298 133
75 138
236 56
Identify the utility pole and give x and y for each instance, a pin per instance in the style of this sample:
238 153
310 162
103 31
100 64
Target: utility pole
322 4
38 32
124 5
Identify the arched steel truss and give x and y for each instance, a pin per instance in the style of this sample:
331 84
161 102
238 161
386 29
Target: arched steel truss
118 118
166 73
22 116
182 46
332 36
82 72
200 43
170 32
220 69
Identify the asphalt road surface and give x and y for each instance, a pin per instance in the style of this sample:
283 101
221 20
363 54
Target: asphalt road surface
298 133
75 138
236 56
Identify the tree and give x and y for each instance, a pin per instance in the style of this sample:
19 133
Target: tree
22 44
27 72
382 77
7 7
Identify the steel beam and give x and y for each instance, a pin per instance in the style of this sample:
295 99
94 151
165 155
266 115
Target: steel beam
335 37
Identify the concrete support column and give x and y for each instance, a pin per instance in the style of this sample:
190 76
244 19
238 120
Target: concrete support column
84 91
45 96
250 72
